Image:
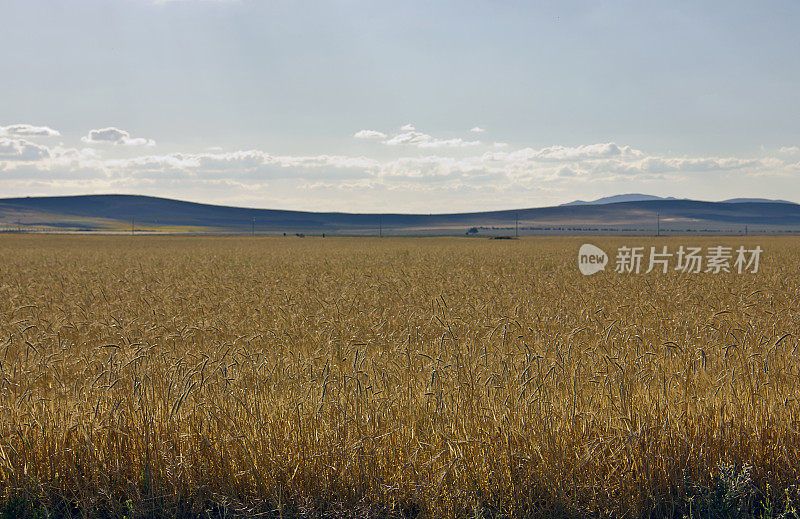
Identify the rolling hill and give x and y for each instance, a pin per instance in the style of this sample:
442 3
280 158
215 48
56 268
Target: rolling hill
121 213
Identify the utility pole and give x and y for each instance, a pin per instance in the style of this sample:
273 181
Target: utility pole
133 225
516 225
253 228
658 224
745 229
380 226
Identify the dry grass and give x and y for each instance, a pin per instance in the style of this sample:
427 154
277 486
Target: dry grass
434 377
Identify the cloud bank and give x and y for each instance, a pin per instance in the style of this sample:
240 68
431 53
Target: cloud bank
412 171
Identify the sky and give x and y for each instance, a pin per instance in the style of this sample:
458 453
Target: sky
411 107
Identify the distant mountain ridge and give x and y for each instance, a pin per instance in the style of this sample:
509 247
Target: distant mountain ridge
632 197
638 197
757 201
135 213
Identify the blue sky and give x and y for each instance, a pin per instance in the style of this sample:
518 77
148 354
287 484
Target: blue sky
402 106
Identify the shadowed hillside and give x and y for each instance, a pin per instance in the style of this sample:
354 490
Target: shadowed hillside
143 213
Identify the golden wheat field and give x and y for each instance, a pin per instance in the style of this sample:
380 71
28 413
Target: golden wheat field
442 377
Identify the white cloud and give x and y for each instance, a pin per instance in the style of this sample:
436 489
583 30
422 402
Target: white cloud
789 150
27 130
603 150
21 150
249 165
410 136
470 179
369 134
664 164
113 135
477 129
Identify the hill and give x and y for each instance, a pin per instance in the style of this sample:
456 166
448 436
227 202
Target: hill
632 197
121 213
638 197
